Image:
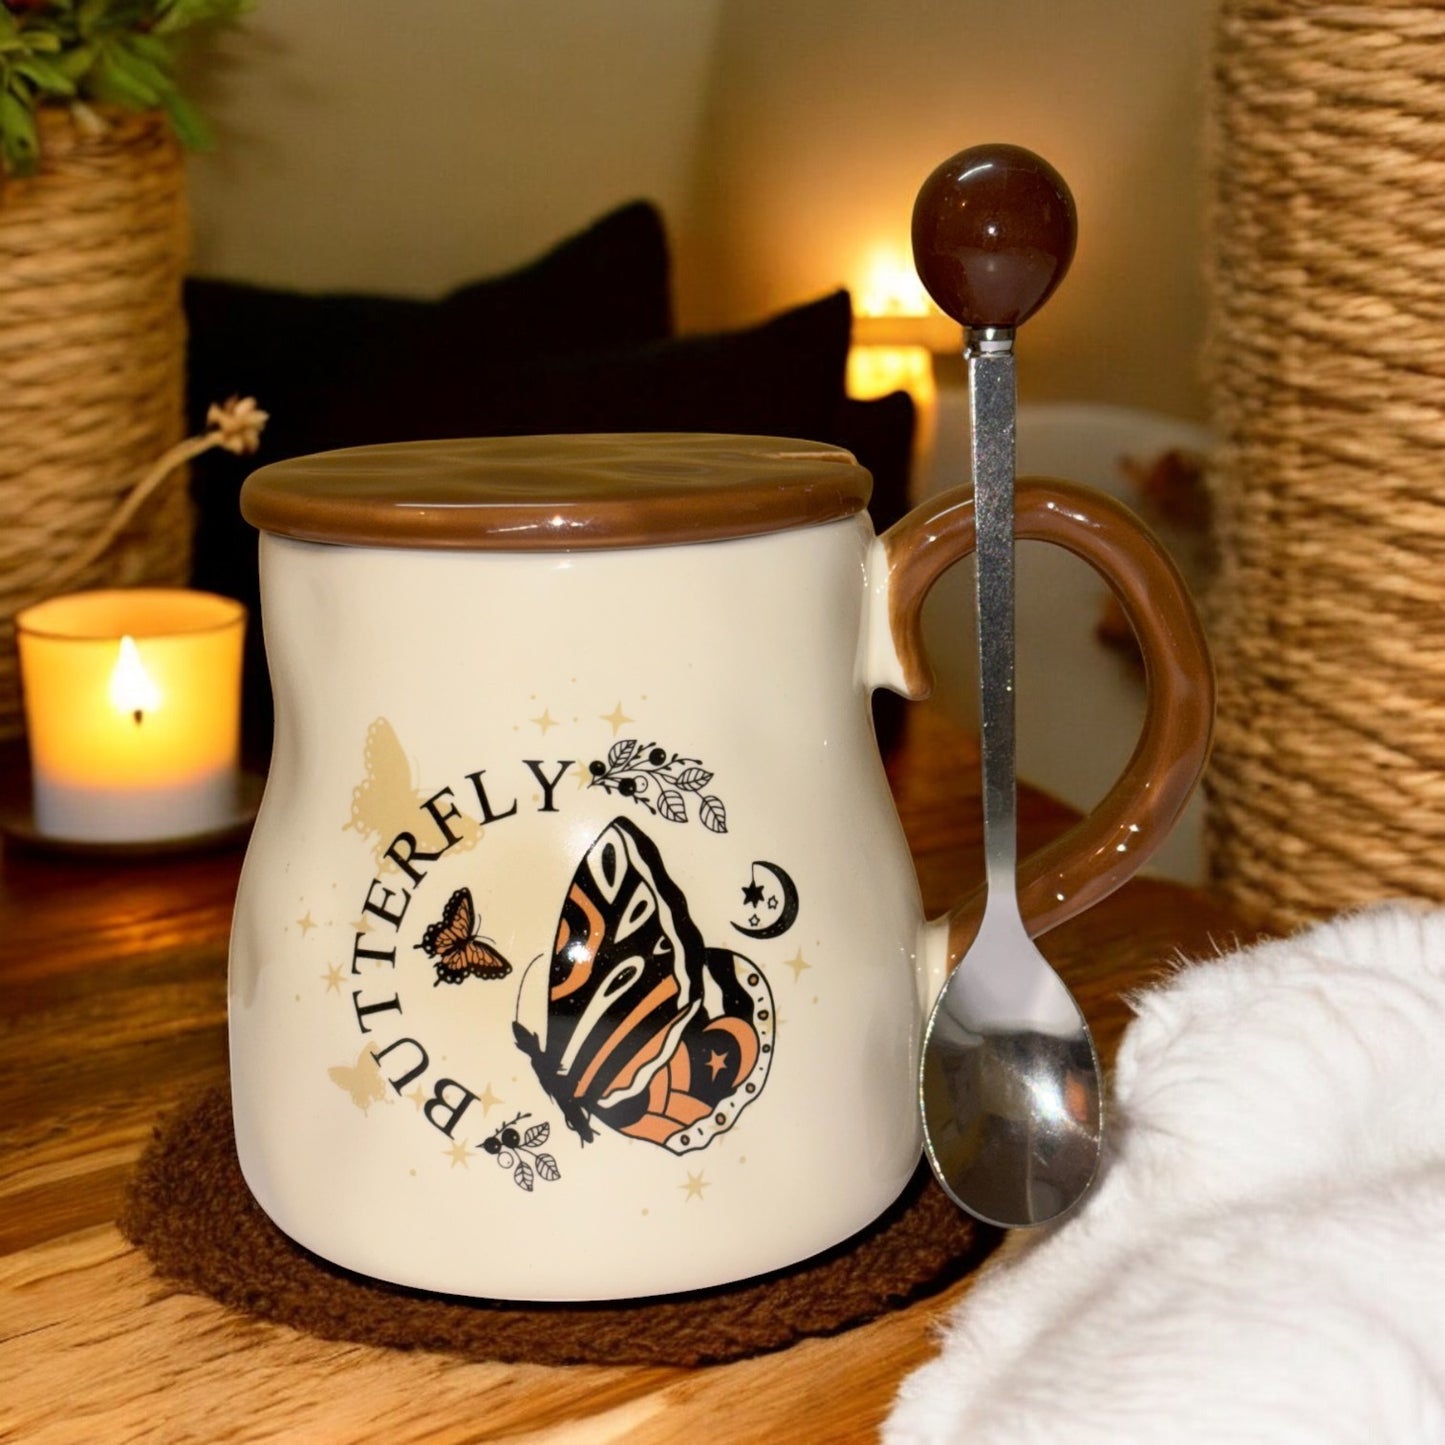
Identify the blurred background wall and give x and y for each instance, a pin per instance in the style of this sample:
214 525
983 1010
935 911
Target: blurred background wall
410 147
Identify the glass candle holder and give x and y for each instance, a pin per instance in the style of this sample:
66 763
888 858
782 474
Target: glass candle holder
132 709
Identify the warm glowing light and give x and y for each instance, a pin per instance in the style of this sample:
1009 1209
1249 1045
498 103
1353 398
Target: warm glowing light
890 286
877 370
132 688
897 332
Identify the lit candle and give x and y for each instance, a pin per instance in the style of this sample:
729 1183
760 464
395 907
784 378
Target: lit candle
133 706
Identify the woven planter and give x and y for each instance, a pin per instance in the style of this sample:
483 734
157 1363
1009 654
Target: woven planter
92 351
1327 383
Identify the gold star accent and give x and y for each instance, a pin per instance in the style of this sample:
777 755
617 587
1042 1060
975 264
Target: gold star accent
487 1099
616 717
545 721
362 924
694 1186
333 978
716 1063
418 1097
457 1153
797 963
306 924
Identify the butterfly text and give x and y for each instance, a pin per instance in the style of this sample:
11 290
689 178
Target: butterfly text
438 826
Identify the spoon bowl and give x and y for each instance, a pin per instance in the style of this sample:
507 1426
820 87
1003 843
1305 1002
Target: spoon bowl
1012 1108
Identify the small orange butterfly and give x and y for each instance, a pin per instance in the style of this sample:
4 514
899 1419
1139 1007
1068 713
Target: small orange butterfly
453 943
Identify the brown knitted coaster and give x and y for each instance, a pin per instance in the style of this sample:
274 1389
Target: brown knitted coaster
190 1210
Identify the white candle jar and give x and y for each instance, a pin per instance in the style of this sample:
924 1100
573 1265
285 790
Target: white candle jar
133 709
578 952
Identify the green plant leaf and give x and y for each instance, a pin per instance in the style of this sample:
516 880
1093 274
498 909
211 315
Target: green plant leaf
75 63
188 123
19 144
111 80
173 16
156 80
47 77
159 52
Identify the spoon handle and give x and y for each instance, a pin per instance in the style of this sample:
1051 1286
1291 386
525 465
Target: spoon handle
991 395
993 234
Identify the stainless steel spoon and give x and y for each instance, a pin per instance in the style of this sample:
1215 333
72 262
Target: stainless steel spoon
1009 1083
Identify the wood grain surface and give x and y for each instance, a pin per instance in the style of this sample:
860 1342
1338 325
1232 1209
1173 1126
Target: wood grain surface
112 1013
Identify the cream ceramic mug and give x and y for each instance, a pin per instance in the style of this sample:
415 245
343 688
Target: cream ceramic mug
578 952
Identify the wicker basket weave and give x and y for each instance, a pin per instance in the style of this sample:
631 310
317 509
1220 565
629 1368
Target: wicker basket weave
92 347
1327 382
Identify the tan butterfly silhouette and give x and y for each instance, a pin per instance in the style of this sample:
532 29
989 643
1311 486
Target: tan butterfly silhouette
386 801
362 1080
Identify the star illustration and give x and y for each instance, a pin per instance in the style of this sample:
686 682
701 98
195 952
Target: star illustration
797 963
694 1186
617 718
753 920
418 1097
333 978
457 1153
753 893
716 1064
772 900
487 1099
362 924
306 924
545 721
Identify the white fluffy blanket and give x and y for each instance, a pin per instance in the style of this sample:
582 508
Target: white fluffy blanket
1263 1257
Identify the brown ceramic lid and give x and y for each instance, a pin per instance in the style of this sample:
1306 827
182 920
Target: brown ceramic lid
556 493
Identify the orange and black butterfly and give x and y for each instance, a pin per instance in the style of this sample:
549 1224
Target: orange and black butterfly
648 1030
452 941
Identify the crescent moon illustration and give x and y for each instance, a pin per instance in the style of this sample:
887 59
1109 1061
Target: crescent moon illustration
788 912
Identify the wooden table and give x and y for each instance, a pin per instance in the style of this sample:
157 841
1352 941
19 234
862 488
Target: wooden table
112 1012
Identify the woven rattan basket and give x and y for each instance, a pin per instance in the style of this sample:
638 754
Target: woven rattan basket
1327 381
92 343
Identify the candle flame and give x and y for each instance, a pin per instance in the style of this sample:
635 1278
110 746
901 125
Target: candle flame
132 689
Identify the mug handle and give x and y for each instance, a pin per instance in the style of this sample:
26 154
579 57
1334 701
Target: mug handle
1110 844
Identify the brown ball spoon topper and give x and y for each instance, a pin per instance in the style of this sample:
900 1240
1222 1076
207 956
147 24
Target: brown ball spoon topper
1009 1083
993 235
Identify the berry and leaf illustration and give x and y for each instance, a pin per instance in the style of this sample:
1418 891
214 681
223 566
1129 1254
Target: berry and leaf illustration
661 781
518 1152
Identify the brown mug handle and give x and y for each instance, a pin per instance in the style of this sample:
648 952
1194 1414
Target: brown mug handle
1104 849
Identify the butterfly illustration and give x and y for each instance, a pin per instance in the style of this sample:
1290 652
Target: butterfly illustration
362 1080
452 941
648 1030
386 802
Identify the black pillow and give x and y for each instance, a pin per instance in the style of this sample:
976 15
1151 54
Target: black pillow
781 378
606 287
